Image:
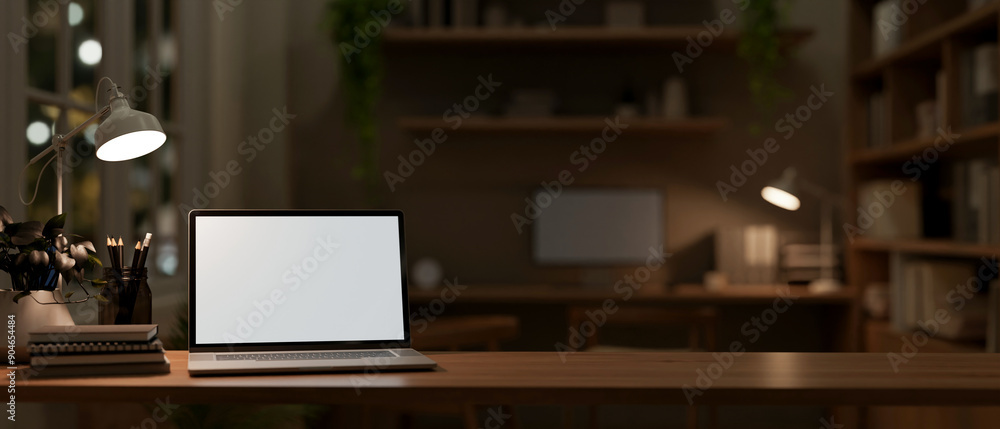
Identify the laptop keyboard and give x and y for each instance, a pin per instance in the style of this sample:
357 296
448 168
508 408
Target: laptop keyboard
305 356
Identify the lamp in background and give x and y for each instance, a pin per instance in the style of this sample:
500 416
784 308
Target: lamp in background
123 134
784 192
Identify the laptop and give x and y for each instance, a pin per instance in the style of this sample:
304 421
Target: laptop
281 291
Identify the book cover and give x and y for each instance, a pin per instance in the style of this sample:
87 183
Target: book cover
92 333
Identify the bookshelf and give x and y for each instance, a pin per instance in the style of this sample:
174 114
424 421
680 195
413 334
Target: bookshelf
933 59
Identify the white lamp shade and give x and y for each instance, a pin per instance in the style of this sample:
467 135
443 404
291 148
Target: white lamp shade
780 198
127 134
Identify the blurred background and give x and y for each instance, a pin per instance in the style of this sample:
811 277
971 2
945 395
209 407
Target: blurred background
546 153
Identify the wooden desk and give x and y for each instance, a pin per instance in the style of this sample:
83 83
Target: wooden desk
586 378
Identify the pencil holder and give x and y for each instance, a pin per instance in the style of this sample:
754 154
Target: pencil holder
127 298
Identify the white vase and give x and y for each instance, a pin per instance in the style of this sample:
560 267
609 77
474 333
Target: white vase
29 315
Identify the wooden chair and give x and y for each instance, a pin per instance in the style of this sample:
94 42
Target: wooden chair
700 322
453 334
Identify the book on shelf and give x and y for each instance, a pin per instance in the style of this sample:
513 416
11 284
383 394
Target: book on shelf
978 73
92 333
921 289
975 201
886 35
877 137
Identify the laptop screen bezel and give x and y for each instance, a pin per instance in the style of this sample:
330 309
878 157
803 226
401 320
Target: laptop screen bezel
193 345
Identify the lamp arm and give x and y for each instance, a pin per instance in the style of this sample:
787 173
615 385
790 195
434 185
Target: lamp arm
818 191
57 146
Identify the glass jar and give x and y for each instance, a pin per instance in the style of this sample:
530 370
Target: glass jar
127 298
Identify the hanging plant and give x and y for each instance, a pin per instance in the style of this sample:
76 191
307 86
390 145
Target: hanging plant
361 70
760 47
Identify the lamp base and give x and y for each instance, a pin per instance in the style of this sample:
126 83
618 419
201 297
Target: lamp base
822 286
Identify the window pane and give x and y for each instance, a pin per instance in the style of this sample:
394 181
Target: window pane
87 50
41 45
38 137
81 164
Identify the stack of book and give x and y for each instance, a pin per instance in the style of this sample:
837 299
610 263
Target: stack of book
69 350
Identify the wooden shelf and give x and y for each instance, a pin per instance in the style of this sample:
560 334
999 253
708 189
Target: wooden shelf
937 247
693 127
881 338
674 37
970 141
926 45
648 294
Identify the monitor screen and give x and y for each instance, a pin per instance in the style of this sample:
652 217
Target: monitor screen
599 227
296 279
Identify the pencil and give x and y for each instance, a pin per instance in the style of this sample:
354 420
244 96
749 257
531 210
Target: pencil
135 257
121 255
145 250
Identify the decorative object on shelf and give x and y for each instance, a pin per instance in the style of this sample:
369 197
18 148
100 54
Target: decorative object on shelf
123 134
37 258
361 81
876 301
625 13
760 47
427 273
675 98
783 192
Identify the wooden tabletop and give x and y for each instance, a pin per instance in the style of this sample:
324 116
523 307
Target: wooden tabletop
585 378
648 294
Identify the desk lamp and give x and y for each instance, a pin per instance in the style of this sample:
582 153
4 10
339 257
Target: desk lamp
783 192
123 134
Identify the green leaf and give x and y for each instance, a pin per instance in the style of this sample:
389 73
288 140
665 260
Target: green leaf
21 295
54 226
98 282
100 298
69 294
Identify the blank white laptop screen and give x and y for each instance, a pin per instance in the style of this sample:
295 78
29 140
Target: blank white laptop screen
274 279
